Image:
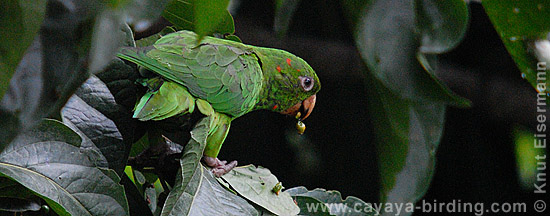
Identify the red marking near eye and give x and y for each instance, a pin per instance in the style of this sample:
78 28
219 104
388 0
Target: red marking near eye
279 68
275 107
288 61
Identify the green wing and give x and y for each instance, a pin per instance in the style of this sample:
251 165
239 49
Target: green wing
169 100
226 74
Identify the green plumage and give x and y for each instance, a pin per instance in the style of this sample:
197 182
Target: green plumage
231 77
227 74
169 100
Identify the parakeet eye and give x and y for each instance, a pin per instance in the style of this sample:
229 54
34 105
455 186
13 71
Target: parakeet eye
306 83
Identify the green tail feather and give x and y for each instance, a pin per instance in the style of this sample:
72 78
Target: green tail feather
169 100
138 55
142 102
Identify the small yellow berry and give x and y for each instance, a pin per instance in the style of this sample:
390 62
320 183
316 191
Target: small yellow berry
301 127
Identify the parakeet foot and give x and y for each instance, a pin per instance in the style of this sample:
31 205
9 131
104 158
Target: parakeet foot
219 167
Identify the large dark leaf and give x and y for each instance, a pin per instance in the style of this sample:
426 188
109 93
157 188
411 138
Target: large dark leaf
19 107
180 199
142 13
51 68
196 192
408 134
110 32
95 125
16 198
398 40
148 41
100 115
520 24
323 202
20 21
136 203
203 17
73 180
225 202
354 10
442 24
284 10
257 184
387 39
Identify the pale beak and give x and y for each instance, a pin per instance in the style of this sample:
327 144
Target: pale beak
302 110
307 106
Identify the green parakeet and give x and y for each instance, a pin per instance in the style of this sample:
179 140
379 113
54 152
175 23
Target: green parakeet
222 79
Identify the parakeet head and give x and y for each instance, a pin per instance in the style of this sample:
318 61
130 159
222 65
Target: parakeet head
290 83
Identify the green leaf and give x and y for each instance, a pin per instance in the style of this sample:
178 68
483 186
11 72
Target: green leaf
155 198
233 38
148 41
141 14
311 206
95 125
520 24
52 67
429 62
110 32
51 130
387 39
62 53
527 156
407 136
228 201
16 198
136 202
9 188
140 178
140 146
284 10
225 26
323 202
203 17
354 10
114 94
256 184
14 204
442 24
152 197
398 40
111 29
9 128
20 21
129 171
72 180
196 192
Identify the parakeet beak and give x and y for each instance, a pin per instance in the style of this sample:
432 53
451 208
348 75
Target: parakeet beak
307 106
301 110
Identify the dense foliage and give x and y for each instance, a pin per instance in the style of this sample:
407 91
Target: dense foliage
69 145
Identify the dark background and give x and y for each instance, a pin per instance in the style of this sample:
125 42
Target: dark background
475 159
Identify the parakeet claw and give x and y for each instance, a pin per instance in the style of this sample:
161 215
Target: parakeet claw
219 167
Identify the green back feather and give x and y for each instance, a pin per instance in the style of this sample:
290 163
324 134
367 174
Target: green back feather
224 73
